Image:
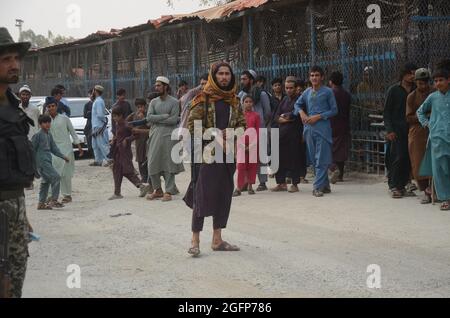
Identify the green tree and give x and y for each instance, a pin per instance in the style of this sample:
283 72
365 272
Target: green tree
41 41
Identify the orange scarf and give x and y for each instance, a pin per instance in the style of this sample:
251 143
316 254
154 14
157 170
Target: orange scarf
215 93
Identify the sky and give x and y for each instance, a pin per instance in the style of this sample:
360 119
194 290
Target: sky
79 18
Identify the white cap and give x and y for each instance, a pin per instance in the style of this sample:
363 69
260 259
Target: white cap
99 88
253 74
163 79
25 88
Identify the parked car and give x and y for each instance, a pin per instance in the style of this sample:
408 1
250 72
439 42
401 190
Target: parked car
76 105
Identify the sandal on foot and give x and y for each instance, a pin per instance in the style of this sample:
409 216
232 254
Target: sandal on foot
144 190
335 177
445 206
409 194
115 197
317 193
397 194
66 200
426 199
279 188
157 194
326 190
225 247
304 181
236 193
44 206
251 192
194 251
166 197
261 187
293 189
56 205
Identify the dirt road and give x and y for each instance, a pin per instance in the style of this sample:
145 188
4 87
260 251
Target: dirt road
293 245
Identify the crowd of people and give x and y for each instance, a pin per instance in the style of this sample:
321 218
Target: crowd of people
417 122
313 122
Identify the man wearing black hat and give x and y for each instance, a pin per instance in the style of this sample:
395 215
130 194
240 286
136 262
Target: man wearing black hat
17 170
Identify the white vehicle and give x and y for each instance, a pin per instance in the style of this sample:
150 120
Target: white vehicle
76 105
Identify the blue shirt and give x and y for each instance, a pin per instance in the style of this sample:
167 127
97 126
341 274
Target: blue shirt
98 113
321 102
439 123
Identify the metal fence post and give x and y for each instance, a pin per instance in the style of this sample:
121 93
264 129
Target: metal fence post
313 36
112 69
85 71
275 65
194 57
345 66
149 61
250 42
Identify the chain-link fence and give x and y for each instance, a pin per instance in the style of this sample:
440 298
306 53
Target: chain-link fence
277 39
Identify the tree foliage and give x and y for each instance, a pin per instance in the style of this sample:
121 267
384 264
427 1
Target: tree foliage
41 41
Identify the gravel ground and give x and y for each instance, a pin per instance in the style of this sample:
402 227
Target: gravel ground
293 245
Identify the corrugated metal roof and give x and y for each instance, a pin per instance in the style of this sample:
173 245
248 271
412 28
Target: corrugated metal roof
211 14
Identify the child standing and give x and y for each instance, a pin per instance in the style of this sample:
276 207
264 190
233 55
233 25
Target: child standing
44 146
439 139
123 157
141 135
247 153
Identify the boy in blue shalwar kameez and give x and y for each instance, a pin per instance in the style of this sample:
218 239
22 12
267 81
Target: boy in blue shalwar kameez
316 106
44 146
438 148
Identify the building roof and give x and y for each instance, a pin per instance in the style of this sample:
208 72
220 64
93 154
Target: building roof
208 15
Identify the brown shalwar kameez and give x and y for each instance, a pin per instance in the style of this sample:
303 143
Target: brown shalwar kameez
141 142
417 136
123 157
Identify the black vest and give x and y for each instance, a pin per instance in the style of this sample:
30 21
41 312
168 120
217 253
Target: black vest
17 159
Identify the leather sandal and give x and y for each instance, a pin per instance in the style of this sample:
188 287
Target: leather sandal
445 206
157 194
167 197
194 251
225 247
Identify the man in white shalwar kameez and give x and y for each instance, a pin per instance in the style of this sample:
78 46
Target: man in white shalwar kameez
61 130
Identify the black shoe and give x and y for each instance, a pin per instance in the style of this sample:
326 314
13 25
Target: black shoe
261 187
317 193
326 190
236 193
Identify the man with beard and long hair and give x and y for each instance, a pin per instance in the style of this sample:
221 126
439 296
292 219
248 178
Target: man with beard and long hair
211 192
